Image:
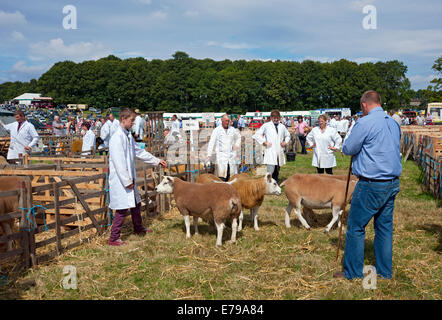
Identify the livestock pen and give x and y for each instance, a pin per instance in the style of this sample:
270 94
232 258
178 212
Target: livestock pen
273 263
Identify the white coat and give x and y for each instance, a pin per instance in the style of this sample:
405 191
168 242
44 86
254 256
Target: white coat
138 127
26 136
107 130
88 142
323 157
122 153
225 142
273 155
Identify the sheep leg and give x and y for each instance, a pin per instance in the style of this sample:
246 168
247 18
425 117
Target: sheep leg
219 237
187 223
299 215
241 217
195 224
336 213
255 218
7 231
288 210
234 230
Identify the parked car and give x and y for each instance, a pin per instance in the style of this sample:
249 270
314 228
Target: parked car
256 124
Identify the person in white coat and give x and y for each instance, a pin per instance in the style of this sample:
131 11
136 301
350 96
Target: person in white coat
324 140
138 128
88 138
225 141
175 130
123 189
275 137
23 136
108 129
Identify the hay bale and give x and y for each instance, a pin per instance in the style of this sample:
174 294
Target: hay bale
77 145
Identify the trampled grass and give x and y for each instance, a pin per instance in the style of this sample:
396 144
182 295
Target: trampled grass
273 263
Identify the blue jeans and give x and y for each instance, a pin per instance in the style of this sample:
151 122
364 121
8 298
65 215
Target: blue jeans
370 199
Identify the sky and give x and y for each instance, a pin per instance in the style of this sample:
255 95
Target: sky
34 37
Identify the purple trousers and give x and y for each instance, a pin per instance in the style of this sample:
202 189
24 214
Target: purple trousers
119 219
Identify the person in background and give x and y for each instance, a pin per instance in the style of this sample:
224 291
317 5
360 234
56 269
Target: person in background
138 128
241 123
23 136
374 144
108 129
300 128
324 140
225 141
88 139
123 190
420 120
275 137
58 127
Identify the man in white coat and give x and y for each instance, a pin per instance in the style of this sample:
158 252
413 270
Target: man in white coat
324 140
225 141
275 137
175 130
88 138
123 189
108 129
23 136
138 127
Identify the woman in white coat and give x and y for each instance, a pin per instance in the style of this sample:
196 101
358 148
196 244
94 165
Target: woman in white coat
275 137
324 140
23 136
88 139
123 189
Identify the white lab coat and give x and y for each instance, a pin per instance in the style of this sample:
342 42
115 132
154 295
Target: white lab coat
107 130
333 123
322 156
267 133
122 153
138 127
26 136
342 125
226 143
88 142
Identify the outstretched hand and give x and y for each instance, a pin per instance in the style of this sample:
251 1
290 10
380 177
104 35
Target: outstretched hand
163 163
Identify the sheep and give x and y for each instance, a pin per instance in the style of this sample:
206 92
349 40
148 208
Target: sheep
206 178
218 202
316 192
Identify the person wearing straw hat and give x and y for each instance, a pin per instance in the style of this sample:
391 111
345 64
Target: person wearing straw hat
123 191
374 143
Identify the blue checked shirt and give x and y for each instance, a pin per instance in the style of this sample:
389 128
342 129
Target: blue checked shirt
374 143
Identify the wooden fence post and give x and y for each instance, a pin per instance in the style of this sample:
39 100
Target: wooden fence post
57 216
32 232
25 235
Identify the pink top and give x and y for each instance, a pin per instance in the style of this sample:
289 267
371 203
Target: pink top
301 126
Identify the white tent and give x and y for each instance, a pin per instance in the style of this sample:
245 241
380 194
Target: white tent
26 98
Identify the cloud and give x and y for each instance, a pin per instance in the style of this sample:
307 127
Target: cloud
147 2
358 5
8 19
191 13
230 45
21 71
420 80
56 49
17 36
158 15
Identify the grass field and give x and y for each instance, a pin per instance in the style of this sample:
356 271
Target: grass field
273 263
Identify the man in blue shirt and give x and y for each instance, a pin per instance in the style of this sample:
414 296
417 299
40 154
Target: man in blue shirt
374 144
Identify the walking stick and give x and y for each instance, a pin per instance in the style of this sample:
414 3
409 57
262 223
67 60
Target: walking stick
343 209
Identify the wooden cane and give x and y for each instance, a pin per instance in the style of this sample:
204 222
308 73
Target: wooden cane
343 209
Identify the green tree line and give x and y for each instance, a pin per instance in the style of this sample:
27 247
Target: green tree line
185 84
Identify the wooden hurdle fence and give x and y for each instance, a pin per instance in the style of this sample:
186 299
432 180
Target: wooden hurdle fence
424 145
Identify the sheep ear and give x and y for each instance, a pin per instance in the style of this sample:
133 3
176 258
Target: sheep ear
269 177
169 179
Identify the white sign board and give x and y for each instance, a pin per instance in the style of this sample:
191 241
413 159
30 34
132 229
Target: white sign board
208 117
191 125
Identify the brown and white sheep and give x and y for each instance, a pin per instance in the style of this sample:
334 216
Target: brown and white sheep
252 192
206 178
316 192
218 202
